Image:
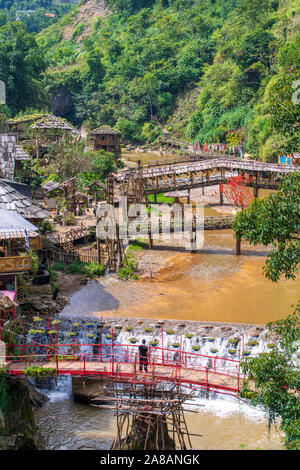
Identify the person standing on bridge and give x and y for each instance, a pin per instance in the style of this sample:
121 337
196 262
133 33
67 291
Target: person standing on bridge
143 353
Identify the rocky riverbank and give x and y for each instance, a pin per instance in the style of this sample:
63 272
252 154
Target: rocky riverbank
19 399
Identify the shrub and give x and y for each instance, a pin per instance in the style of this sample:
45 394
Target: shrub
40 372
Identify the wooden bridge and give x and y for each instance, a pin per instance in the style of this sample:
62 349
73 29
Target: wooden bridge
119 362
181 176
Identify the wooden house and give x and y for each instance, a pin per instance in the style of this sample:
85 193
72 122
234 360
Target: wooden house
97 190
106 138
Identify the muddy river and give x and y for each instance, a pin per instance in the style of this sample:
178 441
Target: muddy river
212 285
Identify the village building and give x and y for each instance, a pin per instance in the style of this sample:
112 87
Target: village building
97 190
20 126
17 236
12 156
12 200
106 138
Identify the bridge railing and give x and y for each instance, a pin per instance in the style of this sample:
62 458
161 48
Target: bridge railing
120 353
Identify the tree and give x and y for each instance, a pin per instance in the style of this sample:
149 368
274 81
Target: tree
277 379
21 65
275 220
283 106
236 191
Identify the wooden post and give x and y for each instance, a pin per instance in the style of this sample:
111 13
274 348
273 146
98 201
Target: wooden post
221 194
238 247
98 251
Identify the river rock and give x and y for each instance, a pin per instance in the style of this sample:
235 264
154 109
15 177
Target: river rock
17 415
44 304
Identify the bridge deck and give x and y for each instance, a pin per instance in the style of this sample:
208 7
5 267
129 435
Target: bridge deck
213 164
207 378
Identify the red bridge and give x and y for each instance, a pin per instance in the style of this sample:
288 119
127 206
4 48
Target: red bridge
120 362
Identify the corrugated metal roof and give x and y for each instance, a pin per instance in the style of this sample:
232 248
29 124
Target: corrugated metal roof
12 225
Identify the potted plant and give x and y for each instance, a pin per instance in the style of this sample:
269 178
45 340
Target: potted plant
89 335
37 319
132 340
72 333
196 348
129 328
246 353
108 336
76 324
271 345
169 332
153 343
90 325
55 322
148 330
232 351
211 340
189 335
214 350
252 343
176 345
52 332
233 341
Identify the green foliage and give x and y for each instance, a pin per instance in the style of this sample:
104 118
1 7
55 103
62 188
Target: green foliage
88 269
40 372
161 199
128 270
4 396
277 379
275 221
21 66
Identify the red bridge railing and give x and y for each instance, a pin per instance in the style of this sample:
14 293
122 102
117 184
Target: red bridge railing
208 371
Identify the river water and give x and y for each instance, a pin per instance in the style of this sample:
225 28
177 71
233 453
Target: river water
223 423
212 285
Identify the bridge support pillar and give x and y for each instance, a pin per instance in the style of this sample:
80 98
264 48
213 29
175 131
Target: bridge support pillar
85 389
189 197
221 194
238 247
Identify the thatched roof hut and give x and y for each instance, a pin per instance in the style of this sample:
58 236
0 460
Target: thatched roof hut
106 138
104 130
52 122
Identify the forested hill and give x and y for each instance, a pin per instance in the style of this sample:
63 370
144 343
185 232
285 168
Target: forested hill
207 70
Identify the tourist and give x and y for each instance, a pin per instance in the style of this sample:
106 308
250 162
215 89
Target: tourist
77 210
143 353
90 202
